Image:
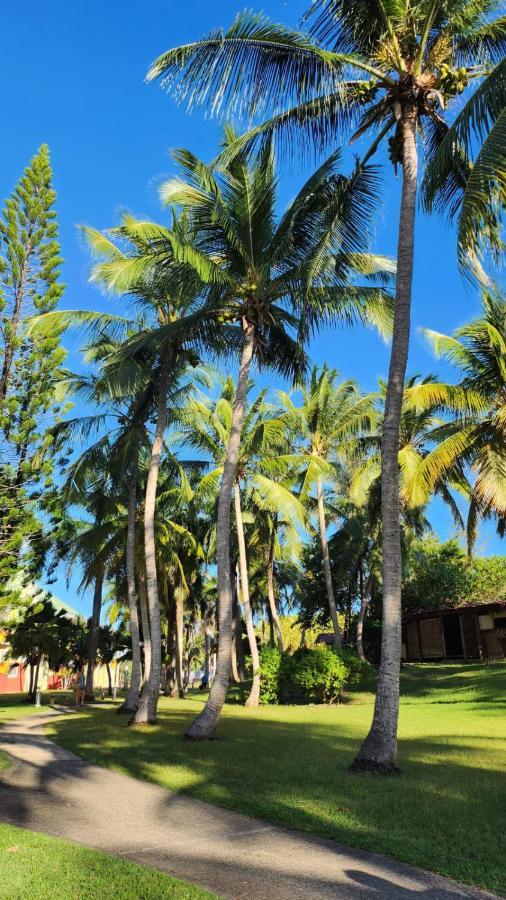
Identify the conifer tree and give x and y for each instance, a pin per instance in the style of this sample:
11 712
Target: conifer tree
31 393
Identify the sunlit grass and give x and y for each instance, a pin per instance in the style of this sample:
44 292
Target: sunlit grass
42 868
290 765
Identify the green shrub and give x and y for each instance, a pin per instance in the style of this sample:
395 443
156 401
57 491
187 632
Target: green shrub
270 667
320 673
315 675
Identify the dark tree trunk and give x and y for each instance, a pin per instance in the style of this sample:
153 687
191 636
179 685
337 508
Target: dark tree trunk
132 699
205 724
93 638
179 643
326 565
146 634
109 679
379 751
148 701
273 610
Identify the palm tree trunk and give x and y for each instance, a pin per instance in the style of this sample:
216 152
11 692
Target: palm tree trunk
36 678
132 699
234 671
30 685
364 605
254 695
379 751
148 701
273 610
179 642
146 634
93 639
326 564
109 679
204 725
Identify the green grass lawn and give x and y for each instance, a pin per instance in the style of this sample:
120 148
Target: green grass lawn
445 812
43 868
14 706
5 761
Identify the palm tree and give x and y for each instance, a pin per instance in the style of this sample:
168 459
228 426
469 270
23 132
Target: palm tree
473 431
206 427
276 279
139 259
413 61
324 426
478 203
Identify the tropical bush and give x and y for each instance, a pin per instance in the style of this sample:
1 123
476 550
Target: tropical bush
315 675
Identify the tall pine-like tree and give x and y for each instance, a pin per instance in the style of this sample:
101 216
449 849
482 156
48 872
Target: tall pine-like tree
31 394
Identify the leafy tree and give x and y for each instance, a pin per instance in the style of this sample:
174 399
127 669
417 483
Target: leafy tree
32 394
440 574
414 61
40 632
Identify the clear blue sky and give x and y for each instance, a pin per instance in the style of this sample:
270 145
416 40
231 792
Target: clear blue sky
73 77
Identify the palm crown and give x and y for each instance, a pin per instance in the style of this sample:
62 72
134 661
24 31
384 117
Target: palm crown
356 65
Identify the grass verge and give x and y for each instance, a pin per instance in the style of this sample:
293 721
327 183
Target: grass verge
46 868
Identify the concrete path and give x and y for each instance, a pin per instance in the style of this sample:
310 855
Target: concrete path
48 789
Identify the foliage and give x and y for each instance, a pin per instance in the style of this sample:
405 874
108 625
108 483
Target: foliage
32 395
473 434
319 674
440 574
270 666
358 66
310 675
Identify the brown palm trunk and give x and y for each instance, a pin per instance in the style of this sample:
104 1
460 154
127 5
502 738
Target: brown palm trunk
93 639
179 642
146 635
379 750
204 725
364 605
148 701
109 679
30 685
132 699
326 564
253 698
273 610
36 678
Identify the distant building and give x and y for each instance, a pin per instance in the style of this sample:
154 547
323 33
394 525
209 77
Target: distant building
474 632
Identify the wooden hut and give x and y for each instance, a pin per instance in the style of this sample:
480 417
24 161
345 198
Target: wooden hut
475 631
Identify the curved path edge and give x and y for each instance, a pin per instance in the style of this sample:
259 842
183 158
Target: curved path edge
49 789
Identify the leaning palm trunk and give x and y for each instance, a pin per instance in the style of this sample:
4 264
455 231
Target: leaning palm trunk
148 702
132 698
379 750
146 634
93 639
270 593
326 565
204 725
254 695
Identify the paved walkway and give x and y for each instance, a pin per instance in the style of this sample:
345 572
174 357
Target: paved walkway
49 789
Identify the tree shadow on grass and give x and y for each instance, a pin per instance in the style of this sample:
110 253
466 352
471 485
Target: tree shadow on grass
444 812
